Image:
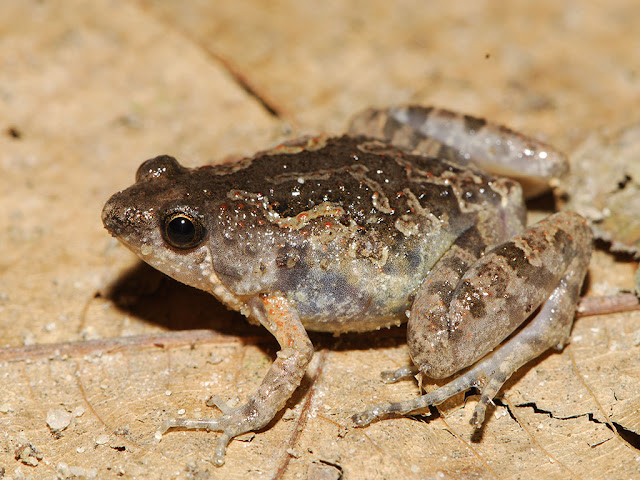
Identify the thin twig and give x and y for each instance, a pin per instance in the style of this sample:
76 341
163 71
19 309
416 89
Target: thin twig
301 423
109 345
604 305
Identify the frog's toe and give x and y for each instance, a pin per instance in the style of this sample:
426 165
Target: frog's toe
219 403
371 414
393 376
419 405
221 449
208 424
487 394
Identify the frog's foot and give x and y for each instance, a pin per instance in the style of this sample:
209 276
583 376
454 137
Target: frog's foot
489 375
414 405
233 422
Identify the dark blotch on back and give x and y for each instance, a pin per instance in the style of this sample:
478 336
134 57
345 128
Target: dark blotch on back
472 241
417 115
563 241
295 183
473 124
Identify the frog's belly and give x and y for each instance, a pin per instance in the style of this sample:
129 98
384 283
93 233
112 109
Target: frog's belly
362 323
331 302
337 293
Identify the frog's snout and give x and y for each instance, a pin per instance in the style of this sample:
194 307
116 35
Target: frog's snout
120 218
111 217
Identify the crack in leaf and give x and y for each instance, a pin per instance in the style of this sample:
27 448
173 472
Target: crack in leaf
628 435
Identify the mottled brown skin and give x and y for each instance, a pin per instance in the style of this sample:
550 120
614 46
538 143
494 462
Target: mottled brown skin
340 234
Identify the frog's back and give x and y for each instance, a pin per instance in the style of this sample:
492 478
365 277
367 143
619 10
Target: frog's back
348 227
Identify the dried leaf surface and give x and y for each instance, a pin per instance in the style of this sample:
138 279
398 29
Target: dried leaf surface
605 186
90 89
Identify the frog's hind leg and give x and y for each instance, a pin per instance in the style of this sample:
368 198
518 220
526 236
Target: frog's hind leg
462 138
452 326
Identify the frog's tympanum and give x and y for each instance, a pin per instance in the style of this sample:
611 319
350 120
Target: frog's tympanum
409 215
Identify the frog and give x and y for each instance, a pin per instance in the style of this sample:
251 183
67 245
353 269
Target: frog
416 214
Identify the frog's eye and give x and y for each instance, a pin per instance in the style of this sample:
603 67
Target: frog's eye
182 231
163 166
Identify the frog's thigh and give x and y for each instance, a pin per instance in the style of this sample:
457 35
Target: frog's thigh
452 326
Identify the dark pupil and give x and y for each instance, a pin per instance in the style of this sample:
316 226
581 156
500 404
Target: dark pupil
181 231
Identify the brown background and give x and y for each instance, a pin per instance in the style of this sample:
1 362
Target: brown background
90 89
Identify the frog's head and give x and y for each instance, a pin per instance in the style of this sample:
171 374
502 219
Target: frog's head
161 218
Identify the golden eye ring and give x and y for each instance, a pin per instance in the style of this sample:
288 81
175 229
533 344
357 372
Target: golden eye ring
182 231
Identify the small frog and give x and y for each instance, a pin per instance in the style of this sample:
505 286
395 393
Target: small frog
399 218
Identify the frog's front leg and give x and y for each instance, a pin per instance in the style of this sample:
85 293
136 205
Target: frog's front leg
284 376
462 313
